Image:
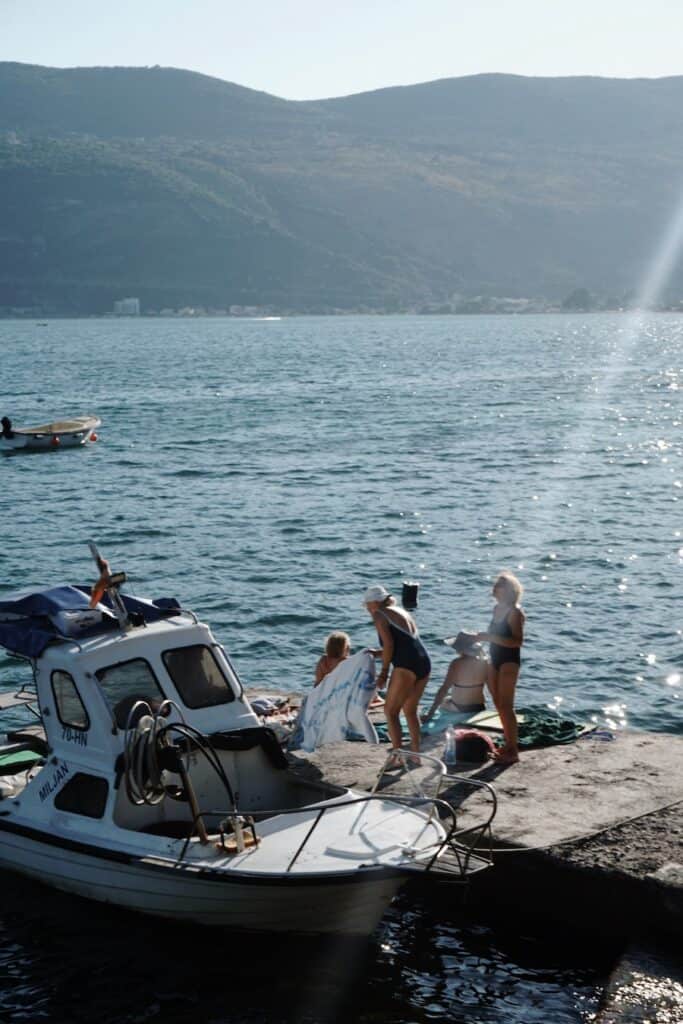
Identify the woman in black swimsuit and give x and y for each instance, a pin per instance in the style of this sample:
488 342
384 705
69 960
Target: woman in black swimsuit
505 637
402 648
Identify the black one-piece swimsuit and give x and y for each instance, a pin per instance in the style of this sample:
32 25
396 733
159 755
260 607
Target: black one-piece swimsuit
503 655
409 651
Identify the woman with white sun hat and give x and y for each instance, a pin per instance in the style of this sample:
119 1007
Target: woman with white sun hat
402 649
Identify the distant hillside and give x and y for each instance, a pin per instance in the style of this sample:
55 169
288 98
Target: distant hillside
185 190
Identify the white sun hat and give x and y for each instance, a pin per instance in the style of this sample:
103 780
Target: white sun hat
375 593
466 643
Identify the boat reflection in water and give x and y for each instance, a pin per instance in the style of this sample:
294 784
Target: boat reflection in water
61 962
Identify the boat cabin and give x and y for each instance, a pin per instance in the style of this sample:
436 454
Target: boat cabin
112 682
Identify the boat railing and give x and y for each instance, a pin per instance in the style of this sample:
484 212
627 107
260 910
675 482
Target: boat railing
474 840
27 694
187 611
467 849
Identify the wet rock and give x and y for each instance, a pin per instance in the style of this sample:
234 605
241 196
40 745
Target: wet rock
646 986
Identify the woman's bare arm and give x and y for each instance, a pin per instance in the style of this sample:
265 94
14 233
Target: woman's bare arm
387 643
441 693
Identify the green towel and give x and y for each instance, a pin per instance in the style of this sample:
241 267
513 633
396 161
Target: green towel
538 725
17 760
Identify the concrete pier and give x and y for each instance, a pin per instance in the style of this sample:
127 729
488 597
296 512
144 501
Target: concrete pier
587 834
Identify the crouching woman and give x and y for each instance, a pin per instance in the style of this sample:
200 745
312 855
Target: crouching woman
402 649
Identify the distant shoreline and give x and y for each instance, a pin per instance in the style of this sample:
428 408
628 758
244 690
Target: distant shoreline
42 319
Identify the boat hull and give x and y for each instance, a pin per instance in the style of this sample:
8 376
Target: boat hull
349 903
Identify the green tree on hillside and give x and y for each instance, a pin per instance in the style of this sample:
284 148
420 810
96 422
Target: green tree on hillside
580 300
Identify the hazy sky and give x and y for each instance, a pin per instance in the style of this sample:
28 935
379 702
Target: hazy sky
305 49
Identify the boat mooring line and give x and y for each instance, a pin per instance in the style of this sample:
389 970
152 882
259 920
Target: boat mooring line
584 835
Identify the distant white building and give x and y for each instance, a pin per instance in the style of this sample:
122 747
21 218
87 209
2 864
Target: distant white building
244 310
127 307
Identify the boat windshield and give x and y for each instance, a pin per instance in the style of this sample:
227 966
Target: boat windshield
126 683
197 676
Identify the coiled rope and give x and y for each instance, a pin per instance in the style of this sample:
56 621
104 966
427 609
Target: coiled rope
147 735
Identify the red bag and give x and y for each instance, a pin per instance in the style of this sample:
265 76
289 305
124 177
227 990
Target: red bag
473 746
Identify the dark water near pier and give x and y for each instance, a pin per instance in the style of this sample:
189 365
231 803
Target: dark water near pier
266 472
65 961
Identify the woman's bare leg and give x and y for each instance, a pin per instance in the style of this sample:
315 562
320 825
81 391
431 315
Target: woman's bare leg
399 689
507 681
410 706
492 684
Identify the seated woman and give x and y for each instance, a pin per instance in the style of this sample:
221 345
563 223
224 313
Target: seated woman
337 649
465 679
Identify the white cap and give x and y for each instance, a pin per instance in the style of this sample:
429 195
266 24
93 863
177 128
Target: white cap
375 593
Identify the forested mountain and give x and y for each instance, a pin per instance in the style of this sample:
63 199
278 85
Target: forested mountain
186 190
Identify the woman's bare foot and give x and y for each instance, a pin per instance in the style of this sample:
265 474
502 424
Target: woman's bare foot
505 756
393 762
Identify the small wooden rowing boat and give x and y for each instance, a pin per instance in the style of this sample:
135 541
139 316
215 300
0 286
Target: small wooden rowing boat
67 433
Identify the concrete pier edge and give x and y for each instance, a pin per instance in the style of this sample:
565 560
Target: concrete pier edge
588 834
589 839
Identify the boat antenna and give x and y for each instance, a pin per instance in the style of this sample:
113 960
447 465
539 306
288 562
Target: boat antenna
109 582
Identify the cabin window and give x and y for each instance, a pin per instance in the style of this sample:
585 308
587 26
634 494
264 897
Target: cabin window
198 677
70 707
83 794
125 684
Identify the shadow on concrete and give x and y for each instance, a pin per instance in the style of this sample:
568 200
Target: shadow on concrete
458 791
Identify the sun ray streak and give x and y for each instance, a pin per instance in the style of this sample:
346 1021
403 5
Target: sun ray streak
578 439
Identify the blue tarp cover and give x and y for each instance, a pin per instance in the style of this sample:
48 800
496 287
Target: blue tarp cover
27 626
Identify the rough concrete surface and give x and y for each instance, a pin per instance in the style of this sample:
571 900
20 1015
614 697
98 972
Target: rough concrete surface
594 823
561 792
553 794
650 846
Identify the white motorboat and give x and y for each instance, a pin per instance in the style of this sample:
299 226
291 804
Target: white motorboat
149 782
67 433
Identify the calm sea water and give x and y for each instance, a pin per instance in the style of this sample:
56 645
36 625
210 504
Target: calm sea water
265 473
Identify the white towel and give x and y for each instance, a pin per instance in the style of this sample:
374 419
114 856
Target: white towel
337 709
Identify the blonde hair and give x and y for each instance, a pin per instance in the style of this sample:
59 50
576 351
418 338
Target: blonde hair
512 582
337 644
